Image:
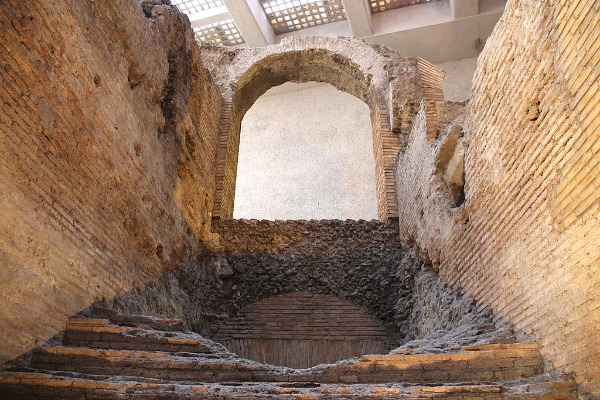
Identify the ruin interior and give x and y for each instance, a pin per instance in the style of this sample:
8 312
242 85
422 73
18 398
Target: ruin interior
474 273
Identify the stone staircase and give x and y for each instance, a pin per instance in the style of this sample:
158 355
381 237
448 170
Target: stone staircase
117 357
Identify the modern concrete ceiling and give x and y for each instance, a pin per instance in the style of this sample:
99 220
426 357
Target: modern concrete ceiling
438 31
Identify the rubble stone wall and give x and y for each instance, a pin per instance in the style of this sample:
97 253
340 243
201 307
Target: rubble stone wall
359 261
108 125
526 241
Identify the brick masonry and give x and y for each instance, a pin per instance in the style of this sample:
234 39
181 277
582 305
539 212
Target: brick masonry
108 128
303 329
527 239
109 133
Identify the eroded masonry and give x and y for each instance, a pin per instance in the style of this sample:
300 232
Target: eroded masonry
124 276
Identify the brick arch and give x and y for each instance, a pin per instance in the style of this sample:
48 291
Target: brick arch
303 329
392 86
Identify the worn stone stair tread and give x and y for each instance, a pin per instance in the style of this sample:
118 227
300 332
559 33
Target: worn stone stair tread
496 363
166 324
34 383
102 359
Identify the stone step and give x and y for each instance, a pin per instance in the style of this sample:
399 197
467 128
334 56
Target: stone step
151 364
32 385
104 334
477 364
140 321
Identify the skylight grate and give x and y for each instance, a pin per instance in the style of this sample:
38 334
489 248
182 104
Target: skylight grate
292 15
378 6
222 32
196 6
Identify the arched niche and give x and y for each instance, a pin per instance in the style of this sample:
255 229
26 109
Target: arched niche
301 330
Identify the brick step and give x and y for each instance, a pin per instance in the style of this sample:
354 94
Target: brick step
476 364
104 334
31 385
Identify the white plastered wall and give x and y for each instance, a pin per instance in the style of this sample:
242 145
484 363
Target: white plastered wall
458 79
306 154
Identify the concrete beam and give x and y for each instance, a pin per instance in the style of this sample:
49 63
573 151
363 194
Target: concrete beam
209 16
359 17
252 22
464 8
438 37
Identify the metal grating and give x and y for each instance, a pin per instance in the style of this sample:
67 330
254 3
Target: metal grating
222 32
195 6
378 6
292 15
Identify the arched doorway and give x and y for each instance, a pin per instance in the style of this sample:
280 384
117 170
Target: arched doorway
316 65
394 88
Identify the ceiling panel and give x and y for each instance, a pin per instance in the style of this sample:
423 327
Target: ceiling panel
292 15
222 32
378 6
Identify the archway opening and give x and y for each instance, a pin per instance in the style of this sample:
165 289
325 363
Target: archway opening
309 65
306 152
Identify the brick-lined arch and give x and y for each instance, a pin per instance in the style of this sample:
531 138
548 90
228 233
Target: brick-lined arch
392 86
302 329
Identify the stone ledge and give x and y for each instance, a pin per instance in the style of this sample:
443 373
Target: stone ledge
31 384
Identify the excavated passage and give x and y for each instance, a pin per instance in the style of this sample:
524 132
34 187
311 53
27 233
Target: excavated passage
360 263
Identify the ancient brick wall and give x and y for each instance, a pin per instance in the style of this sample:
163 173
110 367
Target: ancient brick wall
302 329
108 127
527 239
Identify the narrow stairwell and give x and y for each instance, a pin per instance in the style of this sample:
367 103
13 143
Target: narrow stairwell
136 357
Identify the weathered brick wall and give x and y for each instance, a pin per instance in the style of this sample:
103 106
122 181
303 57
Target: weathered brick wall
108 127
527 239
302 329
